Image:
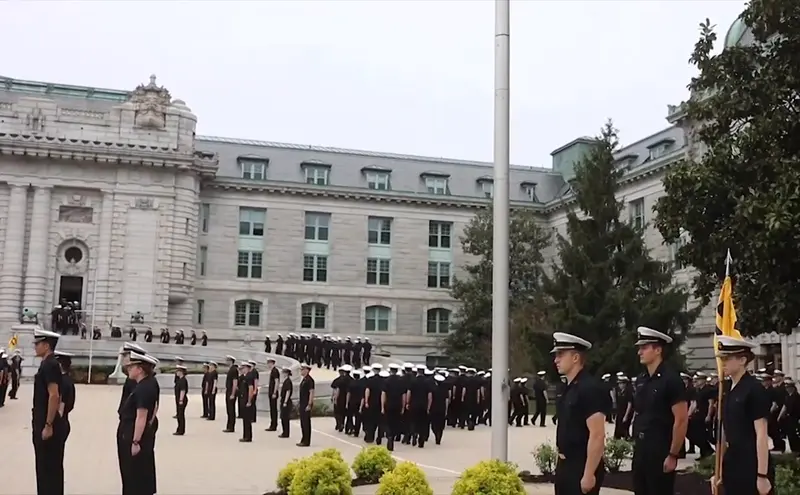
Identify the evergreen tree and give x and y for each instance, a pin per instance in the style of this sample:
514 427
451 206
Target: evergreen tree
470 341
743 193
604 283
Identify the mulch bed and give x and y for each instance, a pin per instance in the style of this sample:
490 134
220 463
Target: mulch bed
356 482
686 482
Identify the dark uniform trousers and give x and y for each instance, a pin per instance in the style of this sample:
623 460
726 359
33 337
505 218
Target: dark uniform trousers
739 472
569 472
392 423
286 413
438 420
698 434
49 456
540 412
775 432
273 412
305 424
353 421
230 410
247 413
649 477
455 412
14 385
339 413
212 405
204 396
138 472
371 418
181 415
420 424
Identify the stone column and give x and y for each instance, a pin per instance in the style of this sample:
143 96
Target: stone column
38 251
102 259
11 273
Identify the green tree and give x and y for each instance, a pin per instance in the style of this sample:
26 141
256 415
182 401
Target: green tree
743 193
604 283
471 338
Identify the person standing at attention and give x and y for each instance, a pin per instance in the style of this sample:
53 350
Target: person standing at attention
286 402
248 395
306 403
661 417
211 396
272 393
47 424
580 434
67 391
231 393
181 398
746 466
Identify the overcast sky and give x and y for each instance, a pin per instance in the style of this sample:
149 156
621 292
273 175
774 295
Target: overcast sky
408 76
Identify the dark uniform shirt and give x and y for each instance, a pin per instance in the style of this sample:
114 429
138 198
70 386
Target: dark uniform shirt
286 391
420 389
655 396
472 385
144 396
356 391
582 398
182 385
274 378
49 372
231 378
747 402
342 384
67 391
306 386
441 393
394 388
375 386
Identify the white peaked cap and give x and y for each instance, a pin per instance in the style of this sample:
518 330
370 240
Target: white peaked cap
377 366
408 365
541 373
568 342
517 380
607 375
346 368
143 358
383 374
649 336
438 378
366 368
394 366
40 334
428 372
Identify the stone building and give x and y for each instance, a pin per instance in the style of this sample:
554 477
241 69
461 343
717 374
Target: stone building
108 198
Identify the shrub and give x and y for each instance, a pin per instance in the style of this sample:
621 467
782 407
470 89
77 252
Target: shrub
286 475
329 454
405 479
787 481
617 450
489 478
318 410
545 458
372 462
322 474
705 466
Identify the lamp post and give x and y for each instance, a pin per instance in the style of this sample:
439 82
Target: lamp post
500 237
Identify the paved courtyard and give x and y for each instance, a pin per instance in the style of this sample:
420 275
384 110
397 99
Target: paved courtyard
208 462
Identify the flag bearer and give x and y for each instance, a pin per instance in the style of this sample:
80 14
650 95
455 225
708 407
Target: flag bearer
580 435
746 464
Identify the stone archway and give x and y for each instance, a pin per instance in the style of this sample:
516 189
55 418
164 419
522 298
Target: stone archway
72 269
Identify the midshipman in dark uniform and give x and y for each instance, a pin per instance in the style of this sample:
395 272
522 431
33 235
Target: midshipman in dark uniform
340 386
285 400
438 414
305 404
204 390
181 398
659 427
67 390
273 387
204 339
231 394
211 395
580 435
247 392
15 372
5 376
47 425
138 423
746 466
355 401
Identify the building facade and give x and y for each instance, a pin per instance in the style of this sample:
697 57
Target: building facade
108 198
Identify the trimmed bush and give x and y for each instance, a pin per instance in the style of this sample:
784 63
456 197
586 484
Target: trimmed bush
322 475
489 478
372 463
286 475
617 450
405 479
545 458
329 454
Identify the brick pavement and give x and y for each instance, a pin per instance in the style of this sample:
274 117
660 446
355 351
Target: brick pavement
209 462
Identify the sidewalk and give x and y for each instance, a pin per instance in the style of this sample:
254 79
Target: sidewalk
445 487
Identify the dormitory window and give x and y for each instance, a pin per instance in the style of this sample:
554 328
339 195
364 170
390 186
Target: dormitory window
673 253
377 319
379 231
317 226
530 192
247 314
203 260
436 185
438 321
253 169
201 307
488 189
251 222
660 151
378 181
315 268
205 216
313 315
317 175
439 234
438 275
378 271
250 263
636 208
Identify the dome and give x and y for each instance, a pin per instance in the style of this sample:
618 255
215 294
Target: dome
736 33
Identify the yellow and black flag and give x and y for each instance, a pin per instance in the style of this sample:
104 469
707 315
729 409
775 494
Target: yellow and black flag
727 324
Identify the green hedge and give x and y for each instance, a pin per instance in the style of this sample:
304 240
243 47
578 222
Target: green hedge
787 472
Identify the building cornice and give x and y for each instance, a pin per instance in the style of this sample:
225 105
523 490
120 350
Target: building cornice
355 194
61 148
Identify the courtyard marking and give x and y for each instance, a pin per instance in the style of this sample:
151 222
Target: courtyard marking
425 466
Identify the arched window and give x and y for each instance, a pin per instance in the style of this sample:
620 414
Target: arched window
313 315
438 321
377 319
247 313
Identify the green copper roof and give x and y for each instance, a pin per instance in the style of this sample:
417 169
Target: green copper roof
52 89
735 33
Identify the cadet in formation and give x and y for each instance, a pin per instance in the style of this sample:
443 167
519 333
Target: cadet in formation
210 377
286 402
231 393
580 434
305 403
247 394
5 376
272 393
48 426
181 398
67 390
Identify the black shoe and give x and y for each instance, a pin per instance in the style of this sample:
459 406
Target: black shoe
211 419
301 444
245 440
283 436
178 434
271 429
228 431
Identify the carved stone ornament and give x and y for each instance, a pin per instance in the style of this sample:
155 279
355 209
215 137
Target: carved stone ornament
151 103
34 121
144 204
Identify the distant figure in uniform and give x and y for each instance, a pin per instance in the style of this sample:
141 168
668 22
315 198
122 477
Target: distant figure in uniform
231 394
211 394
340 386
580 435
255 377
5 376
193 338
248 394
67 390
540 398
136 433
746 466
181 398
286 402
204 391
306 402
15 371
393 403
204 339
267 345
659 427
439 405
272 394
148 335
48 426
624 409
